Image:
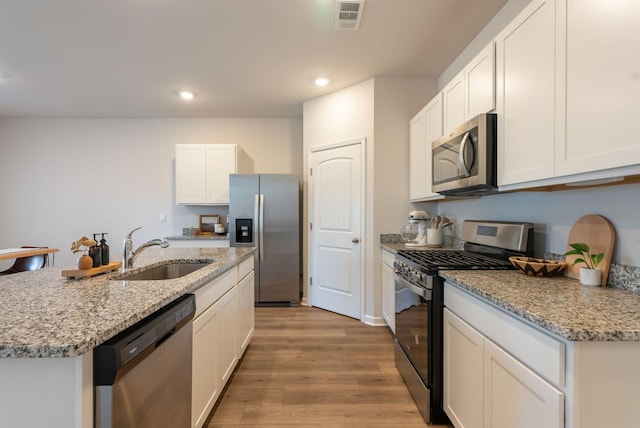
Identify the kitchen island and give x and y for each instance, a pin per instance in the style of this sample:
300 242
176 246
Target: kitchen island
51 325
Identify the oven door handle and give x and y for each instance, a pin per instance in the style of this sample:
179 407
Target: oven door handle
422 292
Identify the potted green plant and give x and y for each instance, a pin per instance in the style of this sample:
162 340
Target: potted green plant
590 274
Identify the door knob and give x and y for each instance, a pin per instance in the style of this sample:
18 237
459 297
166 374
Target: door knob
355 240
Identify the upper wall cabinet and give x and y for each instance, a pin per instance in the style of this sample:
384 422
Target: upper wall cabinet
525 75
202 172
600 77
425 127
472 91
567 90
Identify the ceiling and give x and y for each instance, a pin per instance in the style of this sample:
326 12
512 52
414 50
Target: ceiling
242 58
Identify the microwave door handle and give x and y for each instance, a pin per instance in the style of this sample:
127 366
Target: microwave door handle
461 159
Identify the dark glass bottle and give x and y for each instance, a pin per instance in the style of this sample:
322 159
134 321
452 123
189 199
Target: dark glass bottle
95 252
105 250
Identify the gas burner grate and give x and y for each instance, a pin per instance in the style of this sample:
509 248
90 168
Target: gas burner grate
452 259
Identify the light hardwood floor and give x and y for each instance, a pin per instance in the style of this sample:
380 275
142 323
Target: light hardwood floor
306 367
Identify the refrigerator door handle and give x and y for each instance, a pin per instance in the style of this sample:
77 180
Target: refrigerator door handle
261 229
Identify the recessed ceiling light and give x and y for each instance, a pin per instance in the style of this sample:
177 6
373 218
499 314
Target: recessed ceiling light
321 81
186 95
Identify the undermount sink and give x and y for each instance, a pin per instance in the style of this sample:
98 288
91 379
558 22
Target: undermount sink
168 271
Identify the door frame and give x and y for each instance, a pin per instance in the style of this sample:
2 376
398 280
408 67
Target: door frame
361 142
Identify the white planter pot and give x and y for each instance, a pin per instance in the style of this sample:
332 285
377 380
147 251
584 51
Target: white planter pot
590 276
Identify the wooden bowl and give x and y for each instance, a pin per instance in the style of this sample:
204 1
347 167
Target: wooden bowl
538 267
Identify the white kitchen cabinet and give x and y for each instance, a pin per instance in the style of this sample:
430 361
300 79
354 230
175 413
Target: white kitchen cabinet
567 87
388 290
246 304
453 103
472 91
227 357
202 172
424 128
499 372
514 396
222 328
600 74
463 372
480 83
205 385
525 75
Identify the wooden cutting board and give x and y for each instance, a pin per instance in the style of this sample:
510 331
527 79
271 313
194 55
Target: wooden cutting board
598 233
88 273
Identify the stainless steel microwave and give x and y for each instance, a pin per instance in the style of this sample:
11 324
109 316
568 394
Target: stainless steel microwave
465 160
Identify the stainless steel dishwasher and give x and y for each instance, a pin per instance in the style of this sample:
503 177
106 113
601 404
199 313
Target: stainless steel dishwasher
142 376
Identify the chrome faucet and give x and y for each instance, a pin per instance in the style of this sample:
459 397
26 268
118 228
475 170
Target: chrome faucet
129 255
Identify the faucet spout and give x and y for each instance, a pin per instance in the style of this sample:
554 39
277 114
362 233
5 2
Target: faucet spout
129 255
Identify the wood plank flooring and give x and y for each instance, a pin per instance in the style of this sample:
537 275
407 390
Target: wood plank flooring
306 367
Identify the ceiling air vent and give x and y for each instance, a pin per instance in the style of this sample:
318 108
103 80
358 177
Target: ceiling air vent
348 14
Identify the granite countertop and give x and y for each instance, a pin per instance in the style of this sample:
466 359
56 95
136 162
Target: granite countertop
214 237
558 304
46 315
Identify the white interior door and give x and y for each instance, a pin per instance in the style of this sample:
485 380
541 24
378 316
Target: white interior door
336 197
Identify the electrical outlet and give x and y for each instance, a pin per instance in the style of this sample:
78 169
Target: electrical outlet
163 217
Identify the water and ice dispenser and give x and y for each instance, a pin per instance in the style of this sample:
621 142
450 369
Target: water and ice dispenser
244 230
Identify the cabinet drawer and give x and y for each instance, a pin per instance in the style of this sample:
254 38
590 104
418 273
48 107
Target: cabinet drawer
245 268
537 350
209 293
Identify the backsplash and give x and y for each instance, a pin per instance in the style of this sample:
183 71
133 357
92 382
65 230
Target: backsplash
620 276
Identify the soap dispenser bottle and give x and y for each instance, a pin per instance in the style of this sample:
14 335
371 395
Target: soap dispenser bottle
95 252
104 249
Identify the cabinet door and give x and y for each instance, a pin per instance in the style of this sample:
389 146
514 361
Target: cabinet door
601 70
388 292
221 161
480 94
525 92
191 174
425 127
227 358
205 387
514 396
246 304
463 378
453 103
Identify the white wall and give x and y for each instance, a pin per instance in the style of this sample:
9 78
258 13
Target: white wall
379 110
554 213
64 178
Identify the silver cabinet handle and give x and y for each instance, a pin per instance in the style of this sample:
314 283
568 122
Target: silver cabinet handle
355 240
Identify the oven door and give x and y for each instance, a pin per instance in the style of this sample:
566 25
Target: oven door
413 304
413 312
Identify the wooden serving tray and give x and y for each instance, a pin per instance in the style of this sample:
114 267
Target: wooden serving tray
88 273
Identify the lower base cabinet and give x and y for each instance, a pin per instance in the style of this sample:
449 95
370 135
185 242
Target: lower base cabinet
485 386
222 329
514 396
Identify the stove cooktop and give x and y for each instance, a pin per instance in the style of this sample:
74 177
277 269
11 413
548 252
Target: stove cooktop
433 260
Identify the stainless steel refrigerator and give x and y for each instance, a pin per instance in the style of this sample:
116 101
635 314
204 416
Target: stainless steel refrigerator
264 212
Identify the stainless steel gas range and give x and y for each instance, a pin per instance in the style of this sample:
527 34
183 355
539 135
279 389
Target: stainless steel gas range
420 301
